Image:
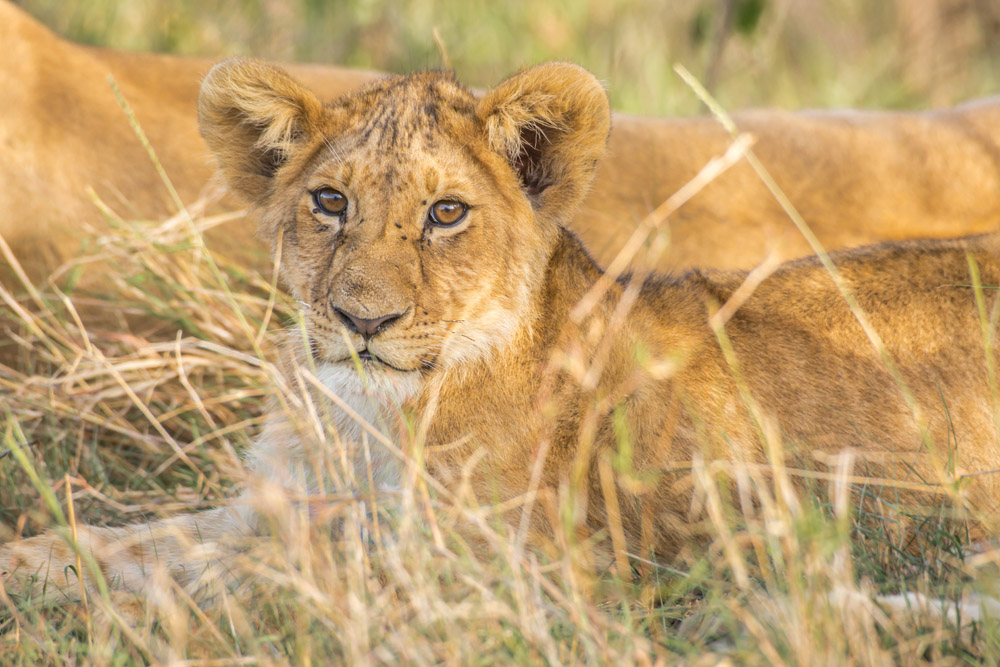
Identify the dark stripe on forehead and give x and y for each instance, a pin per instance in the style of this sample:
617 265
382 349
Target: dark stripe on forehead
395 111
390 177
389 117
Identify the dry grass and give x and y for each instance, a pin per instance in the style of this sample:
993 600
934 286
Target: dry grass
148 413
135 428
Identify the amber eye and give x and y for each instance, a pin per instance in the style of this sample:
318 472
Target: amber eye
330 201
448 212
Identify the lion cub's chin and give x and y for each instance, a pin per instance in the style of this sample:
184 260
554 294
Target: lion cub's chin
377 393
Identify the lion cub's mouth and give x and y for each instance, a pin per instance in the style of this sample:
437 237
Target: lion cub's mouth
371 362
368 360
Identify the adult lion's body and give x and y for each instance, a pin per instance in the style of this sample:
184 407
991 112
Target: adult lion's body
856 177
462 301
63 132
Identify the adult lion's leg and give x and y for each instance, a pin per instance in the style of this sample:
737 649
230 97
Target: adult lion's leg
189 547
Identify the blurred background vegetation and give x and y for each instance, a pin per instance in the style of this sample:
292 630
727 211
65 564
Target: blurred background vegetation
786 53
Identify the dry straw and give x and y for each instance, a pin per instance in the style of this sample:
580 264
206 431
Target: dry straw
141 421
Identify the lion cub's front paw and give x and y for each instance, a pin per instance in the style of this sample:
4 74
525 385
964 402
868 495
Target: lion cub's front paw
40 564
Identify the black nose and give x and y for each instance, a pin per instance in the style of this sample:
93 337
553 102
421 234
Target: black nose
367 327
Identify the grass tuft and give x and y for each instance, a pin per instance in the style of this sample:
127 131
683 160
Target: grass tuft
151 418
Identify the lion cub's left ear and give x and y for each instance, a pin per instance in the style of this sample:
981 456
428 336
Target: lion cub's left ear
253 116
551 123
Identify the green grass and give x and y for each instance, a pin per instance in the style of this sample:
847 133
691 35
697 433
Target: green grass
793 54
787 579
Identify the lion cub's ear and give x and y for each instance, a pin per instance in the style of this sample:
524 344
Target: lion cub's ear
253 116
551 123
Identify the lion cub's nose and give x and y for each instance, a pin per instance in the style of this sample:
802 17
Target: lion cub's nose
367 327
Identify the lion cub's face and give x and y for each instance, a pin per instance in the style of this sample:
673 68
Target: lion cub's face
408 242
415 222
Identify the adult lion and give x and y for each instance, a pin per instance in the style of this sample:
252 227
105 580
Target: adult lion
856 177
464 299
63 132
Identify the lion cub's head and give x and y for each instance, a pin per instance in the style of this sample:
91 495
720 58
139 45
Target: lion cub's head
415 220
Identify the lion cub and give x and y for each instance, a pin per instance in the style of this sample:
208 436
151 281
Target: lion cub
422 229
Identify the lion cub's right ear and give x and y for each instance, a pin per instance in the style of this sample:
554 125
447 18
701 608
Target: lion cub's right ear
253 116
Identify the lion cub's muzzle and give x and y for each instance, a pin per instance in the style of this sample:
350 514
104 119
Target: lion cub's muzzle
383 337
366 326
373 303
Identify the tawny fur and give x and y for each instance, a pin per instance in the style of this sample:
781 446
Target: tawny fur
62 132
484 336
857 177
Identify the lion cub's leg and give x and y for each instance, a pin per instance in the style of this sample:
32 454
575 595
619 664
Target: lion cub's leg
189 547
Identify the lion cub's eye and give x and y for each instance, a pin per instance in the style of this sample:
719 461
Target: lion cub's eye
448 212
330 201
